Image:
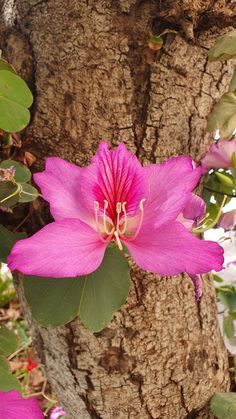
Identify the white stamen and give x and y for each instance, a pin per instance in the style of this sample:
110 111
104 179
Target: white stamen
125 217
119 244
140 220
105 218
96 209
118 210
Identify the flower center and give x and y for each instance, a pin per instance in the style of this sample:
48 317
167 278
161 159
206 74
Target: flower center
117 228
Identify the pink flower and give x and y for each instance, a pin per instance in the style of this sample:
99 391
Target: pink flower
228 220
115 199
14 406
57 413
193 212
219 156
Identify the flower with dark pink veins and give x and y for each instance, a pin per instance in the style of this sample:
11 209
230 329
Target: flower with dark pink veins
115 199
14 406
219 155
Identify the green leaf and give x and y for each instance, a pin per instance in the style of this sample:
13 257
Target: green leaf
8 380
224 48
223 405
232 85
22 175
95 297
233 162
227 298
226 179
4 65
228 326
15 99
28 194
8 342
217 278
223 116
7 240
9 193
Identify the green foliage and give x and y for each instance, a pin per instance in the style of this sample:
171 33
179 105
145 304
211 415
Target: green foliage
7 381
223 116
217 278
228 325
223 405
232 85
8 342
22 175
15 99
28 193
9 193
7 290
233 162
95 297
224 48
7 240
17 189
4 65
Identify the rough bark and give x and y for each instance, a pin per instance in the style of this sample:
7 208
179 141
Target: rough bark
94 77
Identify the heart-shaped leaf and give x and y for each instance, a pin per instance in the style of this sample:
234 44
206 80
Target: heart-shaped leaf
4 65
8 342
224 48
223 116
7 240
232 85
8 381
15 99
22 174
223 405
9 193
95 297
28 193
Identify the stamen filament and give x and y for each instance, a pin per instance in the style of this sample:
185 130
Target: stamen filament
104 217
118 211
140 220
96 208
125 217
119 244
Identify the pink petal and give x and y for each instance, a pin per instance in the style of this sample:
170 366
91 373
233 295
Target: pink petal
195 208
228 220
65 248
170 185
14 406
171 249
219 155
60 186
115 176
198 286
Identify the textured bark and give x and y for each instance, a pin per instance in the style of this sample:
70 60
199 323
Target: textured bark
94 77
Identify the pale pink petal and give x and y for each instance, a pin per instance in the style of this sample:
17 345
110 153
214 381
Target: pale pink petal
60 186
228 220
219 155
170 186
65 248
14 406
171 249
115 176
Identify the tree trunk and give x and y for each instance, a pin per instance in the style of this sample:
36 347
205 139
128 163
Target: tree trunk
94 77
